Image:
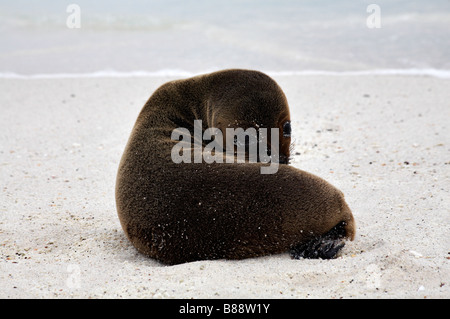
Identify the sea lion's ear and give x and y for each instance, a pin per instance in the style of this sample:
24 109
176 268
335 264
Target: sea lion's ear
287 129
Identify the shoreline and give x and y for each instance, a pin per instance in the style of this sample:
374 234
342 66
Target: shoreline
431 72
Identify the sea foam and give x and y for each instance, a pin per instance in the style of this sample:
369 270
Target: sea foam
445 74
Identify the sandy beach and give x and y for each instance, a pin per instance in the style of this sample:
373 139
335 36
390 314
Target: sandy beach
383 140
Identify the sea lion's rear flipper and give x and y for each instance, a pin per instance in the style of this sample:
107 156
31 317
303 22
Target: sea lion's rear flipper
326 246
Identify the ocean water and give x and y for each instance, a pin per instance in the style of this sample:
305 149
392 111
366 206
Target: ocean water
180 37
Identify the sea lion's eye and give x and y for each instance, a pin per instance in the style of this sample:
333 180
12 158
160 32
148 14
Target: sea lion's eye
287 129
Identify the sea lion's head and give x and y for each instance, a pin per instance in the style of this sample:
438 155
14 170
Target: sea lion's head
258 102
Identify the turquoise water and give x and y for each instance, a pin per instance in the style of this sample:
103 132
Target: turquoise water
199 36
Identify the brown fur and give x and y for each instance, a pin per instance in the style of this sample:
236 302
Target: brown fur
185 212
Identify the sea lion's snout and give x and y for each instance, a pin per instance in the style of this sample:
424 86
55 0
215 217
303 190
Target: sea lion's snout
284 159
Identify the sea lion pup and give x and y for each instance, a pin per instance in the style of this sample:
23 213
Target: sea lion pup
185 212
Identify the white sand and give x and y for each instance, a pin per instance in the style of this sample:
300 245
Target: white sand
384 141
